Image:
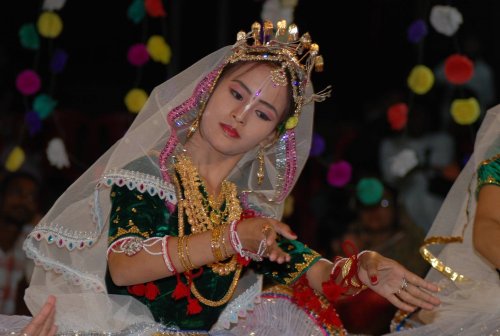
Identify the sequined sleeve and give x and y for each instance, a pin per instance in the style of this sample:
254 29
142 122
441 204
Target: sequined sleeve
136 214
302 258
489 172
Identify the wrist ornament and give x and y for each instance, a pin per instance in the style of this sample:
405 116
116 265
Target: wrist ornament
347 268
236 244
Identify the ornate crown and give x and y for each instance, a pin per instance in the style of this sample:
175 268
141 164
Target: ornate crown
297 54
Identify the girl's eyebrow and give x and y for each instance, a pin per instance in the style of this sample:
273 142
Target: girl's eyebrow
271 106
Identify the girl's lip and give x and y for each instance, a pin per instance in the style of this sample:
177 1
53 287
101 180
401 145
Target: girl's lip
230 131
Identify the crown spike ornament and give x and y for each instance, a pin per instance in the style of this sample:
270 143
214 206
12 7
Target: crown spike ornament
297 55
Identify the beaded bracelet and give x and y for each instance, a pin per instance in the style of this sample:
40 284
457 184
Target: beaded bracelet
238 247
133 245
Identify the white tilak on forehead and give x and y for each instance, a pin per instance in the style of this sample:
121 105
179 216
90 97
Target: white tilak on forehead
257 93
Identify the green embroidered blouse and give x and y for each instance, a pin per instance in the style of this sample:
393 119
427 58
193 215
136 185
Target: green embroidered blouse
489 172
138 214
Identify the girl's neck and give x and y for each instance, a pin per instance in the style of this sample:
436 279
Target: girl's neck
212 165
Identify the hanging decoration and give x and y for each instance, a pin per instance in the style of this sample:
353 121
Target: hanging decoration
49 24
339 173
58 61
15 159
465 111
44 105
135 100
28 36
458 69
152 46
154 8
369 190
417 31
445 19
28 82
37 91
138 54
53 5
317 146
159 49
33 122
421 79
403 162
397 116
56 153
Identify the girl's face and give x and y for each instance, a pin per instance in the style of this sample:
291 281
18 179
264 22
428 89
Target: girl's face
244 110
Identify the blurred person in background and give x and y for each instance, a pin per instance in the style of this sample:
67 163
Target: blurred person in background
418 162
381 224
19 196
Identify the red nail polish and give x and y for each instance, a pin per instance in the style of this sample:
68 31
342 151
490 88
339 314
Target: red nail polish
373 278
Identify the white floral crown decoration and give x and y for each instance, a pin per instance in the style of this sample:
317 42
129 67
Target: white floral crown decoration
297 54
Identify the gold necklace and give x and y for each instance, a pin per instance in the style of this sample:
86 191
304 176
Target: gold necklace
204 214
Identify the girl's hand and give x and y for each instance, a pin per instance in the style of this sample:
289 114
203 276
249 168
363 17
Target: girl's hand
42 324
402 288
253 231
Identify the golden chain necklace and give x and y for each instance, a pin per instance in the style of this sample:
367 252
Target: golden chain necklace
204 214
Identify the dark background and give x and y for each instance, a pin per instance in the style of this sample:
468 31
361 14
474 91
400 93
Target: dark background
364 44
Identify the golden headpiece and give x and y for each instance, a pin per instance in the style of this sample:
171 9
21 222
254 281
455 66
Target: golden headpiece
297 55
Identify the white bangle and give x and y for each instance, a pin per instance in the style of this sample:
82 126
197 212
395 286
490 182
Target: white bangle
336 264
166 255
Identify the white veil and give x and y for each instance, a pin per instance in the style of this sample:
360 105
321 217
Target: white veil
69 244
470 284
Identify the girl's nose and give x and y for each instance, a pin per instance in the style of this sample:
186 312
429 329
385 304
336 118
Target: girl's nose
240 115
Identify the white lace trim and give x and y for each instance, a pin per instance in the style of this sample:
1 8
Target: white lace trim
238 307
62 237
87 281
141 182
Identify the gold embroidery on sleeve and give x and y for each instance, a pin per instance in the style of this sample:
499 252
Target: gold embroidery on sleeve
300 267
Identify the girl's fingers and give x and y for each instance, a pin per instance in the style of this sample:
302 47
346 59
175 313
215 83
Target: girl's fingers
277 254
413 297
42 323
419 282
284 230
399 303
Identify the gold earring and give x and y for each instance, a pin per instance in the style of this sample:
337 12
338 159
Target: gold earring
193 127
260 172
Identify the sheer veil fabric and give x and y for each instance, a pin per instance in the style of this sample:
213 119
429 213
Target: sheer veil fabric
470 306
69 244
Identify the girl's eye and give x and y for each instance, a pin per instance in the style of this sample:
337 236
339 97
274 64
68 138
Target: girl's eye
236 94
263 116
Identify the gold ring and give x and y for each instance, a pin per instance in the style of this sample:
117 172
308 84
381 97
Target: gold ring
266 228
404 284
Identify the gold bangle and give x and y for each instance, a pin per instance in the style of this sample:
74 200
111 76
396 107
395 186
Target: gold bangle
186 250
225 254
180 253
215 243
346 268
